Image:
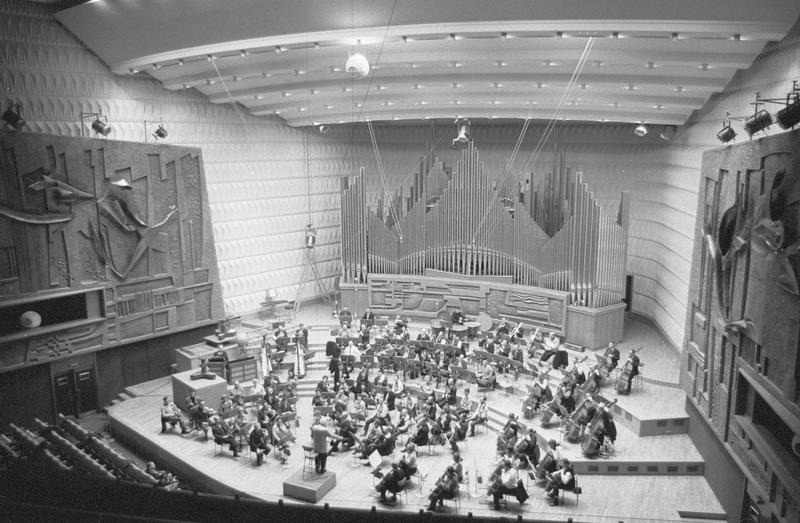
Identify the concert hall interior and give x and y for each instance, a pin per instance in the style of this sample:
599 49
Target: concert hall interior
377 260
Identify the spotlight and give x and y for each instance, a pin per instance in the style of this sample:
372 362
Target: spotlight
161 132
640 130
758 122
357 65
789 116
99 125
726 134
12 118
464 136
667 132
323 129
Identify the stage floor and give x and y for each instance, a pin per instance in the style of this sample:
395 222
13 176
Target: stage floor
609 498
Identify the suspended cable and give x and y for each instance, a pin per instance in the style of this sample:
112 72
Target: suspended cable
382 173
230 96
547 132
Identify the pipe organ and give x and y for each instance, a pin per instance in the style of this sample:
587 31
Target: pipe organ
464 222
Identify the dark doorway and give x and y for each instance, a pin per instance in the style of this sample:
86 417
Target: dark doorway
628 292
75 391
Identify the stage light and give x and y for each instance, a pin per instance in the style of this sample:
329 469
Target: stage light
357 65
12 118
758 122
464 136
726 134
789 116
667 132
99 125
161 132
640 130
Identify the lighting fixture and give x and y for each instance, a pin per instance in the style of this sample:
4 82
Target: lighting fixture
667 132
99 125
160 132
357 65
760 120
12 117
464 136
726 134
640 130
789 116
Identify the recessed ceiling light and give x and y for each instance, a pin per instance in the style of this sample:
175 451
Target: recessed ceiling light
301 109
286 93
497 84
650 65
417 86
422 102
298 72
387 103
279 49
210 82
504 36
181 62
658 106
679 89
704 67
346 89
185 86
584 86
547 63
630 87
313 91
243 53
259 96
265 75
675 36
455 85
598 63
501 63
405 38
456 64
358 104
210 57
276 111
316 45
328 106
539 85
156 66
381 88
453 36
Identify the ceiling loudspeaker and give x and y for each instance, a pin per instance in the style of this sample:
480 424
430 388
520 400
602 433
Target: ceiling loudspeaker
640 130
796 445
464 134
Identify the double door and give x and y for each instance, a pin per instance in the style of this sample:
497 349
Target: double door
75 391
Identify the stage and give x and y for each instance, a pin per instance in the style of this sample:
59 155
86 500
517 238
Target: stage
665 470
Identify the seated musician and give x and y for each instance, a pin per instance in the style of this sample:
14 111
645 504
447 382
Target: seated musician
324 385
446 488
404 422
380 418
256 388
542 388
199 415
237 393
526 451
190 401
502 328
170 414
271 380
382 441
362 385
551 345
397 387
266 415
281 437
548 463
564 478
480 416
394 481
347 430
280 332
259 440
507 482
486 345
399 324
408 460
381 380
507 438
226 407
517 354
530 405
368 318
593 380
458 432
359 407
465 405
567 402
318 400
302 335
431 409
486 377
223 434
504 349
422 435
450 396
458 466
345 317
363 333
457 317
424 335
612 356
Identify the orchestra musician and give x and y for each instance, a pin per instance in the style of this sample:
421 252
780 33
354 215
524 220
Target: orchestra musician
629 371
224 434
507 482
551 345
480 416
393 481
368 318
612 357
526 451
507 438
457 317
548 463
446 488
564 478
345 317
259 443
486 377
301 334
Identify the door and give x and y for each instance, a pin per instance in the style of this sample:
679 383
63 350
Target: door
75 391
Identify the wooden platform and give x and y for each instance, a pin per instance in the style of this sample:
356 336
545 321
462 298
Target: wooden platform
606 498
309 487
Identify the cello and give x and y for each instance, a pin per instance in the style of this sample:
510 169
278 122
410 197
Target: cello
552 408
578 418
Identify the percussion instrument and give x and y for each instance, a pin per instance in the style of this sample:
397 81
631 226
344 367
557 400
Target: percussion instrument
459 330
485 322
472 328
436 327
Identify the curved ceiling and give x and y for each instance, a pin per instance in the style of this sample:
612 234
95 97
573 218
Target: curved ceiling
645 61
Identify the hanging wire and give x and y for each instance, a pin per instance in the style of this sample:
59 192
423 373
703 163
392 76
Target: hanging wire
543 138
382 173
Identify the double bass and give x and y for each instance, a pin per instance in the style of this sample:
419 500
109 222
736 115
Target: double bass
572 431
551 408
624 375
591 445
